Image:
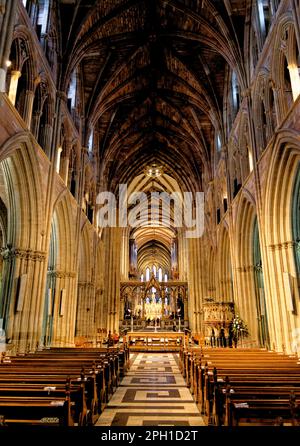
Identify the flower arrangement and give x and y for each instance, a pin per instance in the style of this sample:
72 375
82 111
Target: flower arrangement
239 328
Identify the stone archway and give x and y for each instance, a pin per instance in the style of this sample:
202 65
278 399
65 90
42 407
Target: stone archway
24 255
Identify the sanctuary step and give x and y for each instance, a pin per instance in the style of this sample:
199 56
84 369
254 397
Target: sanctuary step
163 341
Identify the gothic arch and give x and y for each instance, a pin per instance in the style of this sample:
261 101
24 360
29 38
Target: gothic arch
24 254
22 72
43 114
247 297
283 56
23 181
23 49
284 305
260 109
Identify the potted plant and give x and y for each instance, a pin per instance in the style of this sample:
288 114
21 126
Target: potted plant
239 330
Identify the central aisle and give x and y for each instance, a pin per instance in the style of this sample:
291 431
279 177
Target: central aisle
153 393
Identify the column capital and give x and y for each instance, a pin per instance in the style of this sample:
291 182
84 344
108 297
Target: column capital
28 254
62 274
16 74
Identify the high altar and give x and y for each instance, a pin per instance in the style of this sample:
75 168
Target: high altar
153 303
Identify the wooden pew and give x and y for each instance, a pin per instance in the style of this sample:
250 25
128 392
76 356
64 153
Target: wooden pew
206 371
30 370
96 371
41 410
260 411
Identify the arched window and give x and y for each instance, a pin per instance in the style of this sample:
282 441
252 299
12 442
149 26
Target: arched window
166 277
142 278
287 85
42 19
218 142
147 274
91 142
58 159
288 70
72 91
160 275
296 220
294 67
235 96
19 74
264 15
154 270
250 158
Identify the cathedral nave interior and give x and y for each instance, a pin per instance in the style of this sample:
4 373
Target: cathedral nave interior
124 125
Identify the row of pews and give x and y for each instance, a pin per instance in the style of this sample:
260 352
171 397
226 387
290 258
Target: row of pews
240 387
60 386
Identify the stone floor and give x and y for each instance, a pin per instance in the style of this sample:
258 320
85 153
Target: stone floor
153 393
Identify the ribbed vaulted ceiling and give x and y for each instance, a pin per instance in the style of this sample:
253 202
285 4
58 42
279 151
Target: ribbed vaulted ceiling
153 76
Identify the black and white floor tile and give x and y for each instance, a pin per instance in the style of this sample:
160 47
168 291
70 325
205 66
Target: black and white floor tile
153 393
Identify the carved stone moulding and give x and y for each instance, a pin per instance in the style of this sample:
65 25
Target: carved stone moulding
27 254
62 274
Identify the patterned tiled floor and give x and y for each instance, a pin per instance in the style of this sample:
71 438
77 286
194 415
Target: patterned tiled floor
153 393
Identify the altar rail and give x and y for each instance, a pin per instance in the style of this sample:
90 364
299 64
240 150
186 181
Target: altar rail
159 342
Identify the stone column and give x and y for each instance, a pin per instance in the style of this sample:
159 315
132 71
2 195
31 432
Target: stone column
47 138
35 123
64 316
121 311
14 79
65 163
245 298
173 301
99 313
23 298
125 255
81 304
182 249
197 280
28 105
112 275
162 303
8 12
143 308
174 258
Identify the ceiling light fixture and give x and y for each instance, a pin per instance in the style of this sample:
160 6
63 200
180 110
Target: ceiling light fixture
154 170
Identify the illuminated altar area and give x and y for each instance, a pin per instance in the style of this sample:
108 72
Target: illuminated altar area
153 307
154 304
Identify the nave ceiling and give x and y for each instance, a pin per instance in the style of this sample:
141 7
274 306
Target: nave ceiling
153 76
